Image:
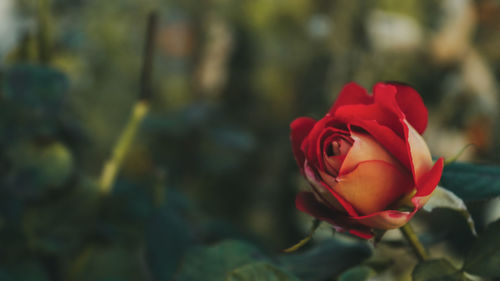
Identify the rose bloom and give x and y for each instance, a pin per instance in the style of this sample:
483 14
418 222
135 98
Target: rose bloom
366 161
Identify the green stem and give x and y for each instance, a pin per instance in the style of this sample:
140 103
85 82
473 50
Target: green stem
415 244
141 108
455 158
43 34
304 241
121 148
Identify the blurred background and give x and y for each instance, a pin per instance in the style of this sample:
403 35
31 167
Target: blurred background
212 159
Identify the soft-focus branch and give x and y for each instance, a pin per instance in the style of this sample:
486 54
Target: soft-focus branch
43 33
139 112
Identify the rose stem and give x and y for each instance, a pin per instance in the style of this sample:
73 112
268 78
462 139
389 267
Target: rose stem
415 244
139 112
43 32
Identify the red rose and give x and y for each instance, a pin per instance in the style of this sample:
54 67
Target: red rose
366 159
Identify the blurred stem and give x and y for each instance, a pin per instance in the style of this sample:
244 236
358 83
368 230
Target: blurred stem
455 158
79 263
159 190
415 244
139 112
27 48
147 64
43 34
121 148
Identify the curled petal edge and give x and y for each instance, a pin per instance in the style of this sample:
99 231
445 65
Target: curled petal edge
299 129
351 93
320 185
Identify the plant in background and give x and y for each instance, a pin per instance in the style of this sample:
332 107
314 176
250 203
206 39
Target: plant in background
184 179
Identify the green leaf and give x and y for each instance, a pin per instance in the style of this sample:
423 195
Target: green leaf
484 256
113 263
437 270
4 276
28 270
357 273
215 262
37 87
328 258
37 168
260 271
167 239
472 182
443 198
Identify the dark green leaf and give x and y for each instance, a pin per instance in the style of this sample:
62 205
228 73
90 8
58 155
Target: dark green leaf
28 270
113 263
37 168
36 87
167 239
484 256
4 276
260 271
437 270
326 259
443 198
215 262
358 273
472 182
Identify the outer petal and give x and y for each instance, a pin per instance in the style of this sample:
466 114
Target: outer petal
352 93
300 128
427 184
385 220
387 96
388 139
411 103
363 149
393 219
420 154
384 116
306 202
373 186
326 195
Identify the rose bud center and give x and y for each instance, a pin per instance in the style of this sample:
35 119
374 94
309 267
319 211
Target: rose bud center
336 148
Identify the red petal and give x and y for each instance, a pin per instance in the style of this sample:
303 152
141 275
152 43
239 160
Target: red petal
412 105
311 146
428 183
332 163
300 128
419 152
352 93
306 202
384 116
408 102
389 219
388 139
326 194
